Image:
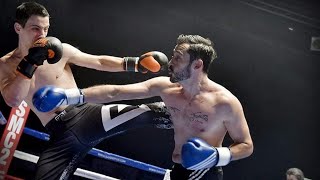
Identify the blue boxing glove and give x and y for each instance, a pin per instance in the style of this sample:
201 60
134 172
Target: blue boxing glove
197 154
48 98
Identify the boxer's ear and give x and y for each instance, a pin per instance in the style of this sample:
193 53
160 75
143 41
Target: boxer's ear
198 64
17 27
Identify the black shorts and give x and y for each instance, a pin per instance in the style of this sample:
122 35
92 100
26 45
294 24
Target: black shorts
180 173
73 132
77 129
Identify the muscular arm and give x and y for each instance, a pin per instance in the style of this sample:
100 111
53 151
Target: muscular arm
108 93
238 130
101 63
14 86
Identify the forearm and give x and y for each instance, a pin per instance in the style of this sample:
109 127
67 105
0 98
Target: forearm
101 94
110 63
48 98
111 93
241 150
15 90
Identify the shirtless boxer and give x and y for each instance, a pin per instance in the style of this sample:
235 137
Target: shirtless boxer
38 61
202 111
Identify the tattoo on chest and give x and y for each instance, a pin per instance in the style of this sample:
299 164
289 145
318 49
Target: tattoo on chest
173 109
198 117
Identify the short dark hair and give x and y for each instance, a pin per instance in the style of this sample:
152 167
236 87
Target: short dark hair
200 47
27 9
295 172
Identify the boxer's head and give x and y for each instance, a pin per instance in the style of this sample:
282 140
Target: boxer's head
28 9
191 52
199 48
31 22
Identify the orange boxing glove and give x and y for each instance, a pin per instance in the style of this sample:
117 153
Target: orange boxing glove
153 61
49 48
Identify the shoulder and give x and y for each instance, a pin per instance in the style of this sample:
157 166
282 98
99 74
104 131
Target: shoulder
2 62
3 59
225 99
7 56
66 45
8 64
69 47
11 58
69 50
162 81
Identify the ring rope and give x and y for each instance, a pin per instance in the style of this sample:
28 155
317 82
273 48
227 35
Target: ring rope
79 172
105 155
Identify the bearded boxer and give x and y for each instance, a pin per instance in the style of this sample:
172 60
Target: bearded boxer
201 110
40 60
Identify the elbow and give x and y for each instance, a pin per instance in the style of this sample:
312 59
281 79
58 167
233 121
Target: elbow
241 150
13 101
250 149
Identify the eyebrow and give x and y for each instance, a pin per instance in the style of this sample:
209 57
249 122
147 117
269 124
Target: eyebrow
34 25
179 51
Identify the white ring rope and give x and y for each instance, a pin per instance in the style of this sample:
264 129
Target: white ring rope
79 172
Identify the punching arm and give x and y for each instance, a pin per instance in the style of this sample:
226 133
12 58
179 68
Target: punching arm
149 62
110 93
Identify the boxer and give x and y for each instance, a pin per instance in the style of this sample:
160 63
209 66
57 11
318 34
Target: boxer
201 110
38 61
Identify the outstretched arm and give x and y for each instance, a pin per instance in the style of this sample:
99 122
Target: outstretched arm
48 98
102 63
153 61
110 93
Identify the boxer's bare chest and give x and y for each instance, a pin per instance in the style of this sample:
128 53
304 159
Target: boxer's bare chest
58 74
194 115
48 73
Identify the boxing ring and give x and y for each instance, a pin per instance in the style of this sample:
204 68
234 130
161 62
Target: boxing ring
15 127
94 152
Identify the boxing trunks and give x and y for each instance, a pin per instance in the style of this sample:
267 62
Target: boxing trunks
78 128
180 173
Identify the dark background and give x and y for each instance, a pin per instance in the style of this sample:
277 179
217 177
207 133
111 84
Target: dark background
269 67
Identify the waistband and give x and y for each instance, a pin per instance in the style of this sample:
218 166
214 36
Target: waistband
51 125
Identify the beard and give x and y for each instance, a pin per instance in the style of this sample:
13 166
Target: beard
180 76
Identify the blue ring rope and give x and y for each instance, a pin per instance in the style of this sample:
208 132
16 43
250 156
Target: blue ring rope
104 155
